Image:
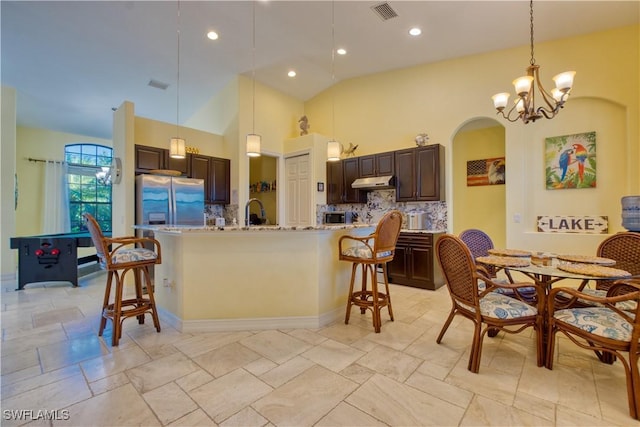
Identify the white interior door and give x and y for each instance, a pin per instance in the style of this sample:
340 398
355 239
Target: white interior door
298 190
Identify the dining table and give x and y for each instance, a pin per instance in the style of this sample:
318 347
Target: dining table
550 269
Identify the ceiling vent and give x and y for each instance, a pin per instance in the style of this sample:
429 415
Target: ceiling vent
384 11
158 84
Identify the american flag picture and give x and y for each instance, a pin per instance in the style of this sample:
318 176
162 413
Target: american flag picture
486 171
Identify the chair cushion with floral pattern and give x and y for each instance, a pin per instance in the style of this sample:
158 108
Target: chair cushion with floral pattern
503 307
362 251
629 305
529 290
132 255
599 321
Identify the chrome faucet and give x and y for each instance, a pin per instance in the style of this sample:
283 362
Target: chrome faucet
246 211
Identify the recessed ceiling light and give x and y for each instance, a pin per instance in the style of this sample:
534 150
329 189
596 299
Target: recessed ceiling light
212 35
291 73
415 31
341 51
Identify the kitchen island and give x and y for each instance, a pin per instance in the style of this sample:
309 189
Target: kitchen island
258 277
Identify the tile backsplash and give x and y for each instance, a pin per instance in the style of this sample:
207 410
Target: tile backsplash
381 201
378 203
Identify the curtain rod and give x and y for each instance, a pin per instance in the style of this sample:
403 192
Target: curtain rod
31 159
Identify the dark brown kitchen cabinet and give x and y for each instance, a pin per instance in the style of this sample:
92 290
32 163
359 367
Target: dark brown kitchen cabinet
340 175
149 158
414 263
335 182
419 174
182 165
381 164
351 171
219 181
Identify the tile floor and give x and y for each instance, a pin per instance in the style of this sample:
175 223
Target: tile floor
339 375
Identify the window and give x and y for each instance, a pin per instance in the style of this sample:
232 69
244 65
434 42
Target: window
86 192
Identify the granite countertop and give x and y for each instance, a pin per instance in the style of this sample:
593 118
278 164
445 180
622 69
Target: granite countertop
210 228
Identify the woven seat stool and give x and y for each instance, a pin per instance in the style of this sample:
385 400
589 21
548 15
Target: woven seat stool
368 252
119 256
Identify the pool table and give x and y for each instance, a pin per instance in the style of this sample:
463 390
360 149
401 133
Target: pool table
51 258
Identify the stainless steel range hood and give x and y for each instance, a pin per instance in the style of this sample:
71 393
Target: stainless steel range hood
372 183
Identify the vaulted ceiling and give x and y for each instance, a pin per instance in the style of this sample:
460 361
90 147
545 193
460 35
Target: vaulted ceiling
72 62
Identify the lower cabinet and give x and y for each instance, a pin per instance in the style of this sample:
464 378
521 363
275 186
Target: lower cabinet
415 263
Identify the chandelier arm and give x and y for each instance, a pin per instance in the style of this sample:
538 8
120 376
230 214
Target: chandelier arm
508 115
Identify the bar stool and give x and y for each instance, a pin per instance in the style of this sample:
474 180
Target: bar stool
368 252
118 257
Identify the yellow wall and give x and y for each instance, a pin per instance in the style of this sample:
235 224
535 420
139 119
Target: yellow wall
385 111
39 144
7 181
482 207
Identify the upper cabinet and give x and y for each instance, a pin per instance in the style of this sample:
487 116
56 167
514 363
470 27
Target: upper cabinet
419 174
381 164
149 158
215 172
340 175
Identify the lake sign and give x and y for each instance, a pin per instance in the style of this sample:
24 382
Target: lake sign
590 224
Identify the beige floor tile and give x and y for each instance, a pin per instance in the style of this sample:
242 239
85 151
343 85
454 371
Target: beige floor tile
333 355
52 396
161 371
355 386
440 389
305 399
399 404
285 372
56 316
487 412
194 380
396 335
346 334
225 359
109 383
248 417
260 366
169 402
65 353
275 346
117 361
202 343
195 418
225 396
391 363
122 406
346 415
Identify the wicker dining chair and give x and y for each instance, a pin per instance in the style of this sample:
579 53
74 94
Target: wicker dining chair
511 314
479 244
606 327
118 256
377 248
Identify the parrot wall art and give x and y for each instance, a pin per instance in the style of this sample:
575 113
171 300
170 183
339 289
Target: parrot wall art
570 161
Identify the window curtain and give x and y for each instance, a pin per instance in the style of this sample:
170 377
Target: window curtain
55 218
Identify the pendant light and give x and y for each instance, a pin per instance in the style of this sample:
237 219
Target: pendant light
334 148
253 140
177 145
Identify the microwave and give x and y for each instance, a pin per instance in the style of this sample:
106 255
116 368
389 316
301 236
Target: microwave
338 217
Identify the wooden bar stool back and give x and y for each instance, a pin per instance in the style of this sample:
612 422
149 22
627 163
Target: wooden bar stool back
368 252
118 256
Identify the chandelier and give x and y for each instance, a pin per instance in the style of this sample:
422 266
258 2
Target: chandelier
524 107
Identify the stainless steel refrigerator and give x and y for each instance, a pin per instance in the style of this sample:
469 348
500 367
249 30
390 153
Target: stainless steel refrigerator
169 200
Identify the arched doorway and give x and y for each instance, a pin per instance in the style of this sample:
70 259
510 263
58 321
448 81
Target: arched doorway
478 202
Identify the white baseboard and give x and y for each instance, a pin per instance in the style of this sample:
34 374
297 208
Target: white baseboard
219 325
